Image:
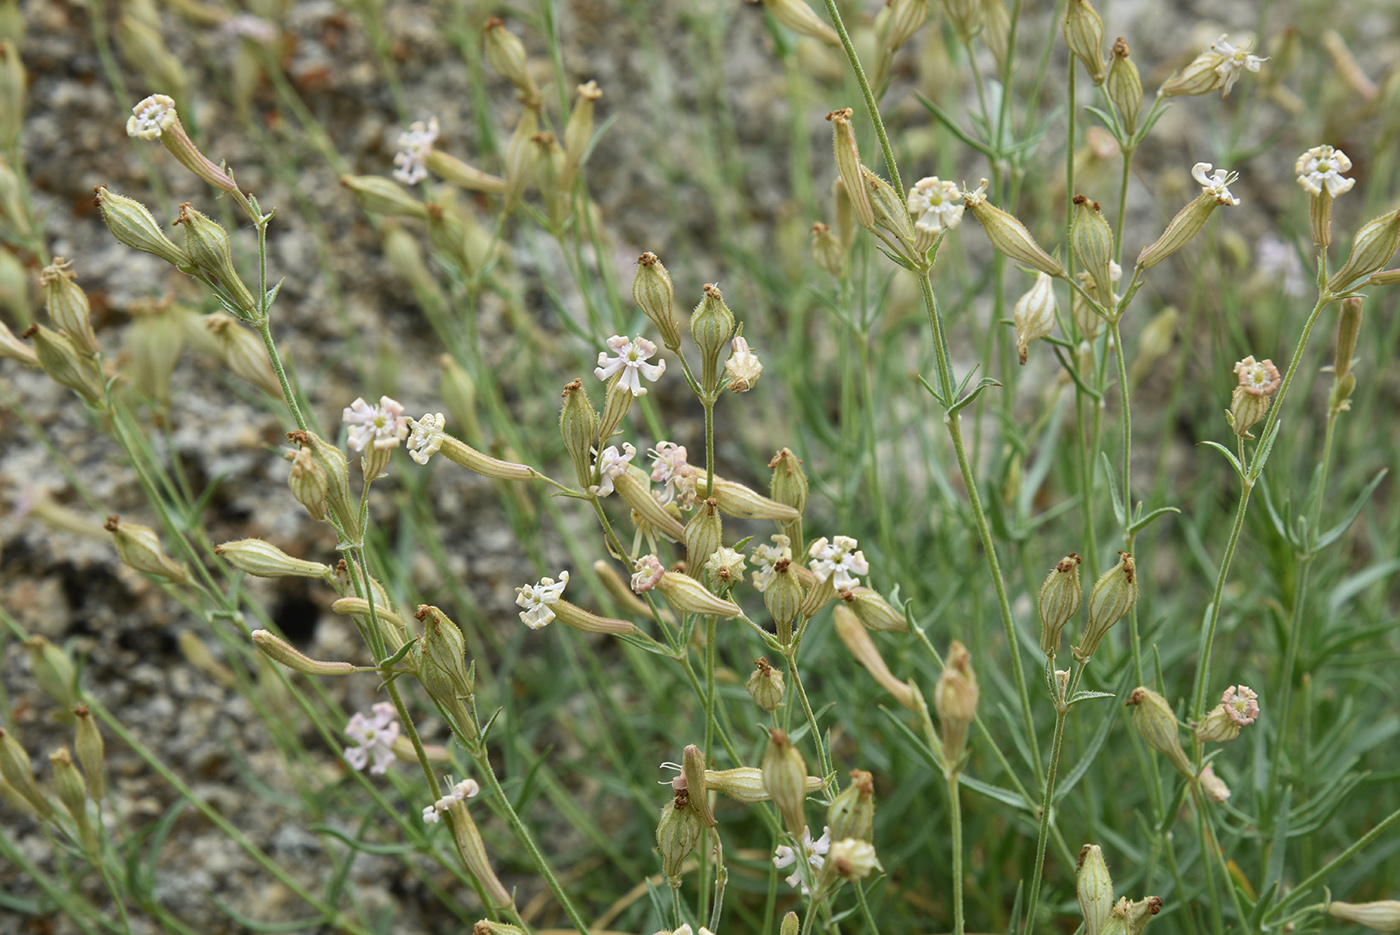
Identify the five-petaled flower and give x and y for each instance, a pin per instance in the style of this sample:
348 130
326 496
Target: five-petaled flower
384 425
1258 377
631 360
151 117
766 556
415 145
612 464
536 598
426 436
838 558
742 367
374 739
815 852
1216 184
726 566
673 472
937 205
1241 704
648 573
466 789
1322 167
1235 59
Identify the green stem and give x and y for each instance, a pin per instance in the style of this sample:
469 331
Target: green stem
1301 890
823 757
265 329
865 909
1203 670
1123 203
871 105
955 815
1061 710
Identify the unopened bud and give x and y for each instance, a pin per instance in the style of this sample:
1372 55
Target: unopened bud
1154 720
1348 330
66 364
472 850
308 483
578 132
1095 889
91 752
655 296
784 598
827 251
766 686
704 534
1382 916
711 327
689 596
693 771
955 699
873 611
1035 314
857 641
521 154
337 492
506 54
578 423
852 813
18 772
743 502
788 486
846 221
745 784
1060 597
785 779
11 346
1114 594
1375 243
459 452
73 793
243 353
262 559
1124 87
1008 235
677 833
209 251
1180 229
574 616
443 667
1084 37
891 212
279 650
791 924
451 169
638 496
1092 241
848 167
139 547
801 19
384 197
906 18
53 671
12 88
131 224
1138 913
965 17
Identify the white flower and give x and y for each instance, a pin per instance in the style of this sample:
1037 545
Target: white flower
765 556
466 789
670 469
374 738
1212 785
151 117
430 814
937 205
1236 60
815 852
612 465
725 566
247 26
631 359
838 558
415 146
384 425
648 573
743 366
427 436
536 598
1216 184
1323 166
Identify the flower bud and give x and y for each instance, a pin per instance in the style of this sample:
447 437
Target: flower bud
53 671
639 498
791 924
131 224
472 850
785 779
1112 597
689 596
443 668
1060 597
279 650
1348 330
208 247
693 770
459 452
1375 243
153 344
1382 916
456 234
197 654
1008 235
676 835
655 296
1138 913
784 598
827 251
965 17
873 611
264 560
451 169
243 353
73 793
12 88
506 54
766 686
17 771
1084 37
745 784
703 534
846 221
906 18
1035 314
13 348
91 752
789 487
67 365
1212 785
711 327
332 462
742 502
955 699
1095 889
1187 223
855 638
578 133
574 616
852 813
308 483
139 547
802 19
1199 77
521 154
13 212
1154 720
1124 87
578 423
1092 241
384 197
848 167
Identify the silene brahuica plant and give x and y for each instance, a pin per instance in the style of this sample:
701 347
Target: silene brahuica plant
1004 546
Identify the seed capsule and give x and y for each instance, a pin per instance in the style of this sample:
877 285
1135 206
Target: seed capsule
1060 597
1156 722
1114 594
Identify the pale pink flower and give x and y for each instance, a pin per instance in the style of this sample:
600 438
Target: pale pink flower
648 573
384 425
612 464
1258 377
766 556
1212 785
631 360
1241 704
374 738
743 366
815 852
671 469
415 146
536 598
1236 59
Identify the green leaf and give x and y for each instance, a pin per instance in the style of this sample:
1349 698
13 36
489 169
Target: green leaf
1095 743
365 846
271 295
1261 454
956 130
895 258
1005 796
1333 534
1119 511
1142 523
932 392
978 390
1111 122
253 925
1274 874
1086 695
1230 455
